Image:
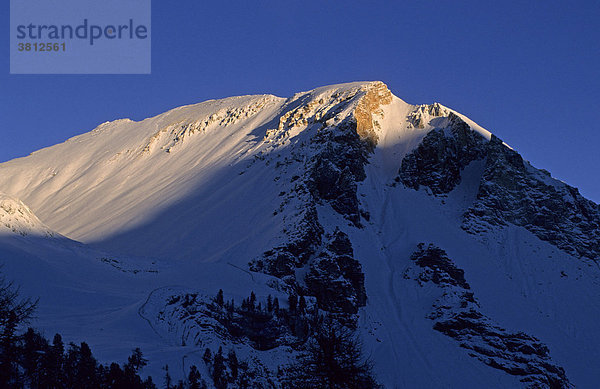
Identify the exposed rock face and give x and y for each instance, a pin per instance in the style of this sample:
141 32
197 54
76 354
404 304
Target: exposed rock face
172 136
419 117
333 275
438 268
334 171
305 239
457 314
339 149
336 278
437 162
512 191
377 95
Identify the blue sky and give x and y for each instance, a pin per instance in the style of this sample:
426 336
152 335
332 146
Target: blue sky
527 71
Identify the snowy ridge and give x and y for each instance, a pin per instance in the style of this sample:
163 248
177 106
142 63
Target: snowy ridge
18 218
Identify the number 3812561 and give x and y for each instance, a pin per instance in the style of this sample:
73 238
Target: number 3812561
42 46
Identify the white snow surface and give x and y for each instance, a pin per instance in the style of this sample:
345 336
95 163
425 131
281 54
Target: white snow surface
183 200
17 218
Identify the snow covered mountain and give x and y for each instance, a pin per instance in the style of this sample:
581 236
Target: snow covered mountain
457 262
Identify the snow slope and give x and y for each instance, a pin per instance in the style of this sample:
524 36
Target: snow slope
17 218
181 203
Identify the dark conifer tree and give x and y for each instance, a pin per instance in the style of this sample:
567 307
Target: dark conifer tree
207 357
219 300
233 363
86 376
114 378
55 360
245 305
13 312
168 379
218 370
194 378
252 301
33 348
333 360
136 361
301 305
180 385
293 302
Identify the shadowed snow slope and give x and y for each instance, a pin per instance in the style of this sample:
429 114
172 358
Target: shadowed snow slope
326 194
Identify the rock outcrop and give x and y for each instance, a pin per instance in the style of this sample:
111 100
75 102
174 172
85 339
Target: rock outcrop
377 94
439 159
512 191
344 134
335 278
457 314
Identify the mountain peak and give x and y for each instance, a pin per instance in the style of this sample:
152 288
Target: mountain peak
134 170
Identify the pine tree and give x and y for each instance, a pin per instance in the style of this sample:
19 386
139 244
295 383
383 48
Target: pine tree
13 313
194 378
219 300
168 379
233 363
113 376
207 357
9 370
134 364
293 302
218 370
333 360
86 376
149 384
179 385
136 361
252 301
54 361
301 305
33 348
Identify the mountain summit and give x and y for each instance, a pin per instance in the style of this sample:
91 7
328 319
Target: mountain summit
453 260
